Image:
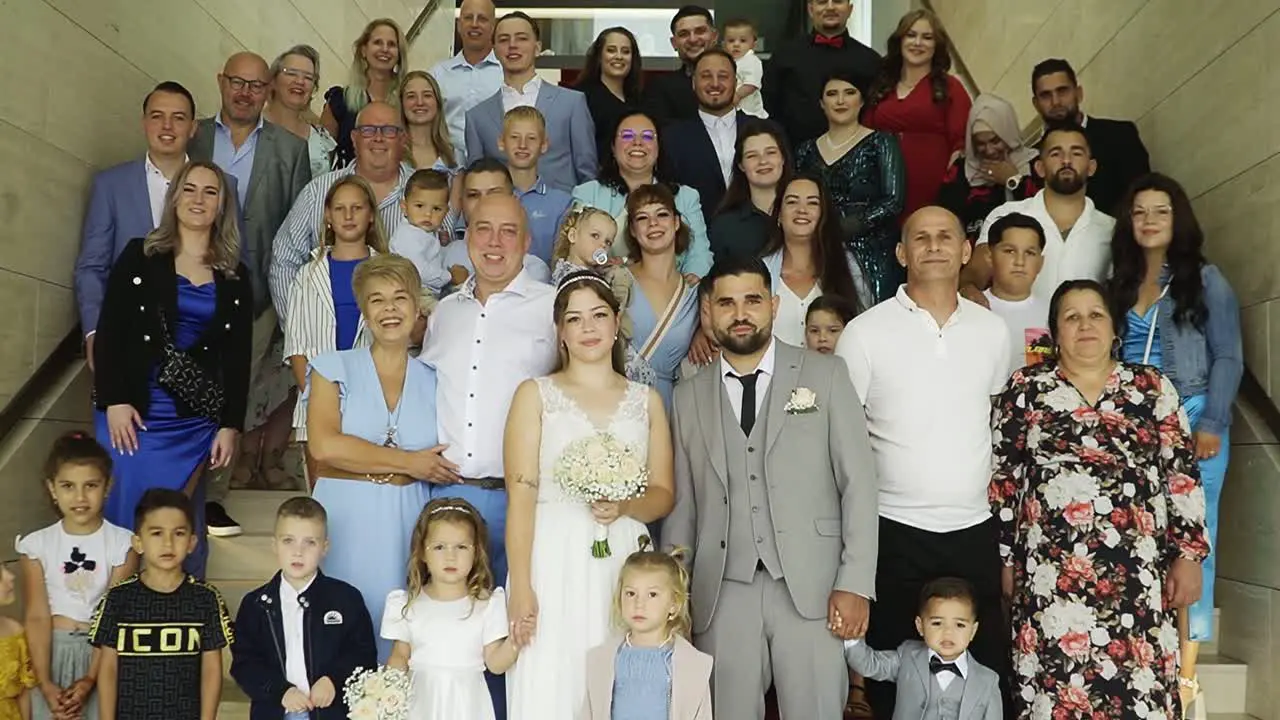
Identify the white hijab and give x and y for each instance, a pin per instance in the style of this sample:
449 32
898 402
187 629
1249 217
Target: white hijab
999 117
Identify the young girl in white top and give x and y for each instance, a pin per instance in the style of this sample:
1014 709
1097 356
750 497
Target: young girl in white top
652 672
583 243
450 625
66 569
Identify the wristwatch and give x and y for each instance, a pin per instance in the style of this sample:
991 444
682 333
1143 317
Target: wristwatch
1013 182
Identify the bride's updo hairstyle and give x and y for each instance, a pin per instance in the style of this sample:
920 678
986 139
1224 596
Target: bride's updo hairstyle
586 280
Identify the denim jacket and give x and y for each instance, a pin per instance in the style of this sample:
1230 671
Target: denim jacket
1209 360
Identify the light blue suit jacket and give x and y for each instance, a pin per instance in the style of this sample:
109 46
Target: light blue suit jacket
571 135
119 211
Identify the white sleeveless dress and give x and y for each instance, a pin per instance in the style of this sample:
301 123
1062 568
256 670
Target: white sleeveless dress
574 590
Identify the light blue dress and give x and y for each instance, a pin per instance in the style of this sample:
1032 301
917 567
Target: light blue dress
666 359
370 525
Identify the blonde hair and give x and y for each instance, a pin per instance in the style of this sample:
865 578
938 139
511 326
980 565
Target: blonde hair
527 113
375 237
312 55
392 268
455 511
224 236
439 128
358 83
670 564
572 221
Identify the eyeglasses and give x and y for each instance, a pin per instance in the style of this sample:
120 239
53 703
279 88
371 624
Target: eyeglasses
386 131
1159 212
293 74
646 136
239 83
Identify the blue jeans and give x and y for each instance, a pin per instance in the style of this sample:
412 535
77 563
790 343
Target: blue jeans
1212 473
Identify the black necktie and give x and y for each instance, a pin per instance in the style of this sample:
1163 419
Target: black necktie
748 381
936 666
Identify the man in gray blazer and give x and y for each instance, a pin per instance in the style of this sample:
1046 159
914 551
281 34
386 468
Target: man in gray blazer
779 514
571 135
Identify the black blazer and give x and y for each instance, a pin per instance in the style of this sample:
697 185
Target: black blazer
669 97
692 158
128 342
337 638
1121 156
793 79
607 112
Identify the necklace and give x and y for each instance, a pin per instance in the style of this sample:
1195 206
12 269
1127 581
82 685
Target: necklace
834 147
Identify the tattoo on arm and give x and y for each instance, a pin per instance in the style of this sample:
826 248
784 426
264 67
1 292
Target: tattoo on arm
529 482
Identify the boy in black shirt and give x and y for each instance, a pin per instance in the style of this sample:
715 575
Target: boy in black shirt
161 631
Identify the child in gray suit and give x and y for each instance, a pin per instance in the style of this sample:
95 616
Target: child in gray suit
937 679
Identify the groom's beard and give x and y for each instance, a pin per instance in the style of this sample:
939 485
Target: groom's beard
743 344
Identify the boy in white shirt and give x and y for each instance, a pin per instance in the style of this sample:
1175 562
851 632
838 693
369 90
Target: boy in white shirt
1017 246
740 41
425 205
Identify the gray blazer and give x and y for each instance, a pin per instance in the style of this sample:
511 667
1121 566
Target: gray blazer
281 168
571 135
820 474
908 668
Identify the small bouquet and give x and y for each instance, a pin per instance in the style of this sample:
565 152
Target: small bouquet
381 694
601 467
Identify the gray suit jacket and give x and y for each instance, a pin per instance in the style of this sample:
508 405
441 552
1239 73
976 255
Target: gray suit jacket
571 135
908 668
281 168
820 475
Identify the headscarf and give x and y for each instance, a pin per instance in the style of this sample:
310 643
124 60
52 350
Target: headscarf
998 116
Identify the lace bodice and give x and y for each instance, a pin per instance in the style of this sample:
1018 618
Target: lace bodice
563 422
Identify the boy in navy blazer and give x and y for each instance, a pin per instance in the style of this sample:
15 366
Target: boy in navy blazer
300 636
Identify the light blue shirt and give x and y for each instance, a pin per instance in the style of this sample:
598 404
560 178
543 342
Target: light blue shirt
545 207
235 161
464 86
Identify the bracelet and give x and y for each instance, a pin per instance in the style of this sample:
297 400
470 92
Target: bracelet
380 479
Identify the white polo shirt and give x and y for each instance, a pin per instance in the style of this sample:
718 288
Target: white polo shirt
1085 253
927 394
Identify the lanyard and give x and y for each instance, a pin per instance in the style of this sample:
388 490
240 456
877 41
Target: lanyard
1151 332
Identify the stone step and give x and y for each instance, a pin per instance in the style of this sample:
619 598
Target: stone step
1224 681
255 510
1211 647
247 557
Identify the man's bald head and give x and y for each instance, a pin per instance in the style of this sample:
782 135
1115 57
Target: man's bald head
933 247
475 26
378 138
243 85
931 215
497 240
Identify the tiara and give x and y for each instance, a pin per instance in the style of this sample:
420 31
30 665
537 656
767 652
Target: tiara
582 275
450 506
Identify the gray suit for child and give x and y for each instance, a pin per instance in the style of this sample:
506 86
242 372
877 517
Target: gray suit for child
920 695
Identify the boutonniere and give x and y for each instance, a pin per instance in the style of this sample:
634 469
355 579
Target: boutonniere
803 401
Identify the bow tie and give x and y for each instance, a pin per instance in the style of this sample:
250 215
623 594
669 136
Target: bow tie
936 666
835 42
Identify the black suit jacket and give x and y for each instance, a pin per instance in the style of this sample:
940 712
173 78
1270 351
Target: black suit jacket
793 80
1121 156
337 638
692 158
129 340
669 97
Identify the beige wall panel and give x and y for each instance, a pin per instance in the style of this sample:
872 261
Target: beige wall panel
1163 46
1185 130
397 10
1255 331
1240 222
1076 31
56 314
65 87
1251 506
1247 634
17 332
1272 369
339 22
990 34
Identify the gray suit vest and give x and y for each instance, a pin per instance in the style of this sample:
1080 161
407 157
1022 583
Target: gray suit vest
944 704
751 537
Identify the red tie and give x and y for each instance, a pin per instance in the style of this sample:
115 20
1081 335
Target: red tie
835 42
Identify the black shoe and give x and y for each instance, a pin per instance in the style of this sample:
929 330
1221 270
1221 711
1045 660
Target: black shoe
218 522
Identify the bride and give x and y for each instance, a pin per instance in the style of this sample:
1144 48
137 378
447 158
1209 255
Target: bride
553 578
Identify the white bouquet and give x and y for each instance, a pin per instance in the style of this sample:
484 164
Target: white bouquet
601 467
381 694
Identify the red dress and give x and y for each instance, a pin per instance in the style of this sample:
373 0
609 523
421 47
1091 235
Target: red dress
927 132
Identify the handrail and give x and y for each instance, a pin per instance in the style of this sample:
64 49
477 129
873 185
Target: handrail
1251 391
421 21
67 352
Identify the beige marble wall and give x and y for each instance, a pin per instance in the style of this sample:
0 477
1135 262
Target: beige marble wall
75 72
1199 80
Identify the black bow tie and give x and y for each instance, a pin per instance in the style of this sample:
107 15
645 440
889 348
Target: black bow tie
936 666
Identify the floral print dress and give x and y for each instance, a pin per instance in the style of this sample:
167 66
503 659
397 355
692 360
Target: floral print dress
1094 504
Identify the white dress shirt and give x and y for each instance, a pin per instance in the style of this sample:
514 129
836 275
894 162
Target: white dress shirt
481 353
292 617
733 386
927 394
724 135
157 188
464 86
520 97
1084 253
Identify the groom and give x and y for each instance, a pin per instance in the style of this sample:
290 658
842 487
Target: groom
776 501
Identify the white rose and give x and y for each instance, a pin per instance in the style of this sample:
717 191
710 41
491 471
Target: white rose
1028 666
1102 505
629 468
1044 581
1129 489
803 398
1100 637
1126 621
1107 669
1143 680
1145 549
1111 537
1042 708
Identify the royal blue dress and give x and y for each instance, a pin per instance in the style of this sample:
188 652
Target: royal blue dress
370 525
171 448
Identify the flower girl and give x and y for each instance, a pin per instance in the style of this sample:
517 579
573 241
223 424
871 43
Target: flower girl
451 624
653 672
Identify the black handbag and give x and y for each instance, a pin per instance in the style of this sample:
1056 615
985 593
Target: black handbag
187 380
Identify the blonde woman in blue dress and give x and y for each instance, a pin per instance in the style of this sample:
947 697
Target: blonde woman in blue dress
560 595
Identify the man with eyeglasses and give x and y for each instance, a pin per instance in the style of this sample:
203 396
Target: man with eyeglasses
378 138
271 166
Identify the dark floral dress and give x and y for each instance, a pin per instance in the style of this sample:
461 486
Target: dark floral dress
1094 504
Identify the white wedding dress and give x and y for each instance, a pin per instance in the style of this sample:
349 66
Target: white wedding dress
574 590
